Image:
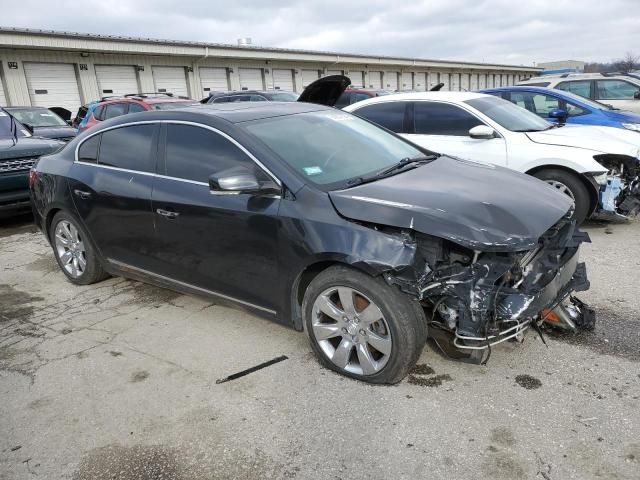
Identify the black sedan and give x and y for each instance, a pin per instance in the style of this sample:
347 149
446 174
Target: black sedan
314 218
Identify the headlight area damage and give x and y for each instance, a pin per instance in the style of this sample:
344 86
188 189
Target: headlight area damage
478 299
619 189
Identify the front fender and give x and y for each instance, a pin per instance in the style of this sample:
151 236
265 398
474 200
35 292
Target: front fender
578 163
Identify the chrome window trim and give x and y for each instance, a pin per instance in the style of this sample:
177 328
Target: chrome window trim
177 122
126 266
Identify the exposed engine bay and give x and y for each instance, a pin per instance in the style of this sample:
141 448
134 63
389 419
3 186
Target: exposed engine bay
619 194
479 299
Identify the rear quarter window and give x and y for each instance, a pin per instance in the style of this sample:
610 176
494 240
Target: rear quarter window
128 148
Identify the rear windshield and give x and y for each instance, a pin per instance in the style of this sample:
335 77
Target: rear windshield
283 97
38 117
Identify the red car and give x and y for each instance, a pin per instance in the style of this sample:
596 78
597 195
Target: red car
353 95
110 107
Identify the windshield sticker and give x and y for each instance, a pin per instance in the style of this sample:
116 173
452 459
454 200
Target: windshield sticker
312 171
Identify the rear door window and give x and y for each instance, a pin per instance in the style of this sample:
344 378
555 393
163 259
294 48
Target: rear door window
88 151
390 115
115 110
435 118
538 103
615 90
130 148
136 107
579 87
195 153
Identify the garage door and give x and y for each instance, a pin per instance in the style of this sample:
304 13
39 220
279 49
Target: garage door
419 81
116 79
3 98
482 80
251 79
52 85
334 72
283 80
309 76
170 80
455 82
375 79
407 81
357 78
391 80
464 82
213 79
444 78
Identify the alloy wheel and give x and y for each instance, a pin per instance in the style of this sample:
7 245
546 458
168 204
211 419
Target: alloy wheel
351 330
561 187
70 248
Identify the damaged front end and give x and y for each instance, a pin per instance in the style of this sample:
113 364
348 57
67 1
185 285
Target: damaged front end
478 298
619 189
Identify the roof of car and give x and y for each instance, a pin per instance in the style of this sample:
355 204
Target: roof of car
443 96
532 88
249 92
25 107
145 99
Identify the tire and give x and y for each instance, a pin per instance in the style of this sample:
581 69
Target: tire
395 324
570 184
80 264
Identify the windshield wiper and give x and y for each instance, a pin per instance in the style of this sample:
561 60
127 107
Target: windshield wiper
404 163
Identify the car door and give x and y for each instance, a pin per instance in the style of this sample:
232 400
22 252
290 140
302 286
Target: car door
618 93
444 127
225 244
110 183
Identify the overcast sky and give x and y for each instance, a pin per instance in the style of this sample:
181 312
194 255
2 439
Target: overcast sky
502 31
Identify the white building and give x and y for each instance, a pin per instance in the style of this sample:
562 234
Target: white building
50 68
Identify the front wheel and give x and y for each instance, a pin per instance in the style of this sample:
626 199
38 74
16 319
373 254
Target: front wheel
571 185
361 327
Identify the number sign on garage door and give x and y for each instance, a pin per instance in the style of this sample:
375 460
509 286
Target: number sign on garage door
116 79
251 79
214 79
375 79
283 79
52 85
170 80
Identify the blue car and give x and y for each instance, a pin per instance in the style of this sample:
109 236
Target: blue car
566 107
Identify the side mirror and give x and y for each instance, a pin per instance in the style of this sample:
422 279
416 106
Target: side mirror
637 95
229 184
558 114
482 132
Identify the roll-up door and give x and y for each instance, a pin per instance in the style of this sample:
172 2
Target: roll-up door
309 76
214 79
407 81
464 82
357 78
170 80
52 85
444 78
482 80
474 81
251 79
283 80
375 79
116 79
419 81
334 72
455 82
390 81
3 98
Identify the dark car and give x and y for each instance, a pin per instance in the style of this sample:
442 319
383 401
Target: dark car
251 96
18 152
110 107
43 122
354 95
314 218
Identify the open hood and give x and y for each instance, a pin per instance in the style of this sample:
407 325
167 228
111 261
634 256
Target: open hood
597 138
325 90
479 206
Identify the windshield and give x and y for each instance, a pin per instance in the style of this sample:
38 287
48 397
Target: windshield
5 127
330 147
283 97
169 105
38 117
508 115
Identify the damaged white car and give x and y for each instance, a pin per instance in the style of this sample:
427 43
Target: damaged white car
598 167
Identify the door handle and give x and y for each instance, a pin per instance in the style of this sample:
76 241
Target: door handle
82 194
167 213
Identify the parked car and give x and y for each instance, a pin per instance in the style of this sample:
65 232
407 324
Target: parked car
18 152
619 91
110 107
354 95
566 107
251 96
314 218
597 167
42 122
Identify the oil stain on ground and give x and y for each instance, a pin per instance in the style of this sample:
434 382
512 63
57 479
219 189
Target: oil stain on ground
528 382
15 304
503 436
422 369
139 376
434 381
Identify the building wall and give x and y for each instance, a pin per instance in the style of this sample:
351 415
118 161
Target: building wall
103 52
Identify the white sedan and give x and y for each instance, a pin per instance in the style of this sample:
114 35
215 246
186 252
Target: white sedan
597 167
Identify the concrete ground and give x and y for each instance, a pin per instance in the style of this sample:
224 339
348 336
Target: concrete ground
118 381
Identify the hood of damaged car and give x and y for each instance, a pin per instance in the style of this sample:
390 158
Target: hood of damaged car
598 138
476 205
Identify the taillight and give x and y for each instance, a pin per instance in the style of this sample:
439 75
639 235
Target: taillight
33 176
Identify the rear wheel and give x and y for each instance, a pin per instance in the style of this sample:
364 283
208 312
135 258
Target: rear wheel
361 327
74 252
569 184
